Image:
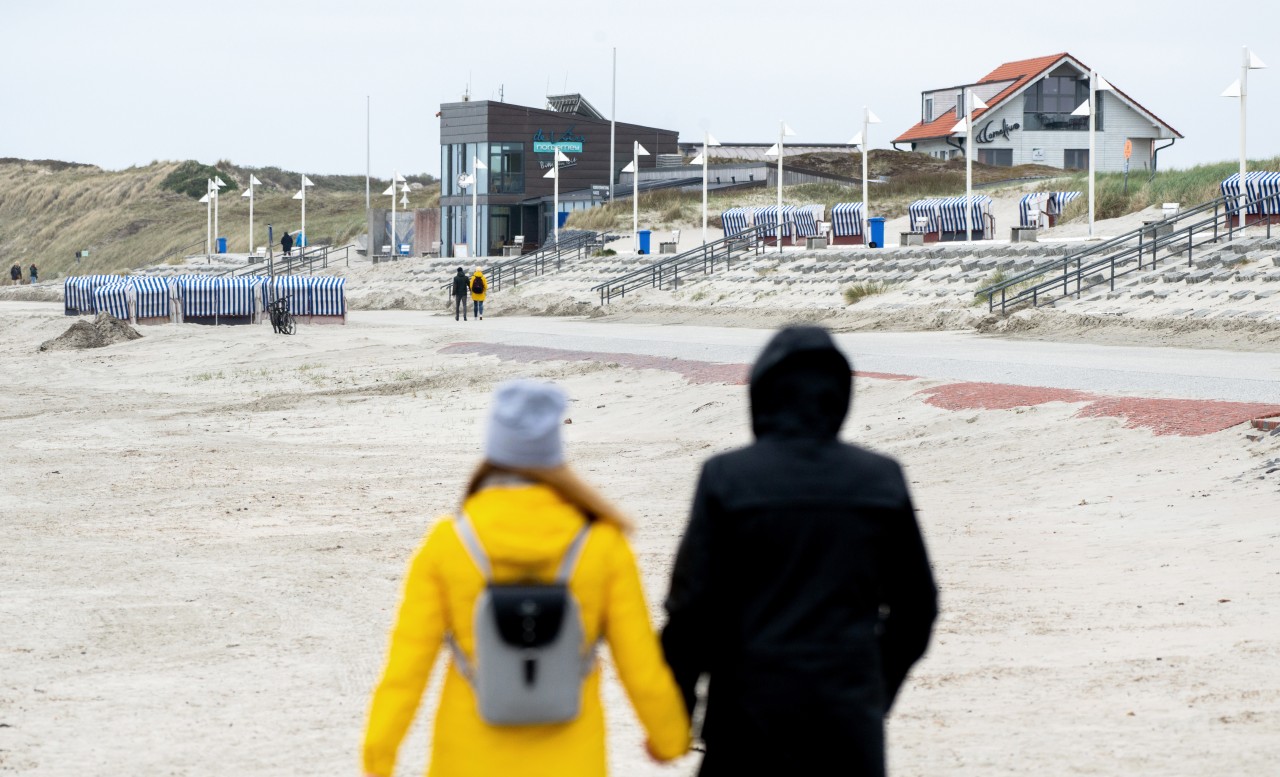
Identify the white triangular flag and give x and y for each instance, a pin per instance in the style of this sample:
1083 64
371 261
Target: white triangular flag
477 164
856 140
1255 63
253 180
218 182
1104 85
390 191
630 168
1233 90
710 140
697 160
787 131
772 150
961 127
298 196
551 173
1082 110
404 187
560 157
247 192
306 181
398 178
204 198
404 199
641 150
871 117
978 104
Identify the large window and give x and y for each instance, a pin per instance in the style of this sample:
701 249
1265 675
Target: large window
999 157
1049 103
506 168
1075 159
456 159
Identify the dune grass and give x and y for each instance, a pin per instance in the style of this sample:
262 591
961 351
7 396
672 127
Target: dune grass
1188 187
130 218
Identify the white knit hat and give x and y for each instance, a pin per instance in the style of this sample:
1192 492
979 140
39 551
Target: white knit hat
524 425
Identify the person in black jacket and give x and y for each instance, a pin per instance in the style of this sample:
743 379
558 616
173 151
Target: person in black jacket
286 242
459 292
801 587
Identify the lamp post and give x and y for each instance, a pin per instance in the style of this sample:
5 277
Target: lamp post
1089 108
253 181
218 183
207 199
391 191
554 173
965 127
302 195
633 167
476 167
777 150
707 141
1249 61
861 140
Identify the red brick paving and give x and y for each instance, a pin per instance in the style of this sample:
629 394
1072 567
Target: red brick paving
1183 417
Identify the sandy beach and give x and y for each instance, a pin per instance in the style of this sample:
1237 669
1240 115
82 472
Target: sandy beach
205 529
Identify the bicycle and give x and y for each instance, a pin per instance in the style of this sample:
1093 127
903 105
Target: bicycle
282 320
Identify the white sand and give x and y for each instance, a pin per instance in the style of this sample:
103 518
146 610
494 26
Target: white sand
204 531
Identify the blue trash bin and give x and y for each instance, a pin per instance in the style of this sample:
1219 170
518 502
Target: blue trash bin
562 217
644 240
877 231
300 241
222 245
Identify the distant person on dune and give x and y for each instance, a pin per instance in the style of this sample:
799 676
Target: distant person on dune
801 586
15 275
286 242
35 274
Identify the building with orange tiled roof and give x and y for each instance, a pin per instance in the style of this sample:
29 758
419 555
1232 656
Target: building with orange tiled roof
1029 120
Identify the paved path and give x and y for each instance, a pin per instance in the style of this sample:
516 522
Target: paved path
1171 373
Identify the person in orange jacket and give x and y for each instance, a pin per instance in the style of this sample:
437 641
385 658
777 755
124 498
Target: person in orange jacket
526 508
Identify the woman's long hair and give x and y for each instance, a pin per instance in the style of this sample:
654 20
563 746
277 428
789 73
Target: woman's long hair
565 482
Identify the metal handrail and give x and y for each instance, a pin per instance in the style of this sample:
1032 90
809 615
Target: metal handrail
701 257
310 258
571 244
1150 241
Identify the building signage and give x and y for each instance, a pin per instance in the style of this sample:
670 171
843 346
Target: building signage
988 135
567 143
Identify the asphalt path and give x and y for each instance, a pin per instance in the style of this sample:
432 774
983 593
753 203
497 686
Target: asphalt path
1162 372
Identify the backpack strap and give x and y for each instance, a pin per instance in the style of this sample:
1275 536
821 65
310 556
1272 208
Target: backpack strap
570 560
471 543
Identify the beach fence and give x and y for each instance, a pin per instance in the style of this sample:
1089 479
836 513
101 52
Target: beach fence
943 218
1261 186
1042 209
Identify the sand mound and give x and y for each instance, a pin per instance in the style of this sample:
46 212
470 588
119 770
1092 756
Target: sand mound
105 330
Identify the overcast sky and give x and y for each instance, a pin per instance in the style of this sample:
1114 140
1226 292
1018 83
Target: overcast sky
274 83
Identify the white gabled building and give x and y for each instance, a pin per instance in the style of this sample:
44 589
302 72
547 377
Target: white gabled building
1029 120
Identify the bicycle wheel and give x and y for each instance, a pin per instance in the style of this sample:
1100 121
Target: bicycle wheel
289 325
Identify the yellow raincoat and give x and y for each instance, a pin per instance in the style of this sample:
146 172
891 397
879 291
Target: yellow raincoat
525 530
478 297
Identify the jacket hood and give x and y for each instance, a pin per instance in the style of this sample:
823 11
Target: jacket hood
801 385
523 525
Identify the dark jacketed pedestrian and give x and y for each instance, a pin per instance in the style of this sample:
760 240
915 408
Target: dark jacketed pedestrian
459 292
35 273
801 587
286 243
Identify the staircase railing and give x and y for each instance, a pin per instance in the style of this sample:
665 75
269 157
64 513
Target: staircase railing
1133 251
702 259
307 260
573 244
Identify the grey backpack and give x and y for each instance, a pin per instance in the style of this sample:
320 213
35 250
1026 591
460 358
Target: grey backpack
529 663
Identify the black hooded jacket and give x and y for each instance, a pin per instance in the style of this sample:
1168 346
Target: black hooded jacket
286 242
460 285
801 586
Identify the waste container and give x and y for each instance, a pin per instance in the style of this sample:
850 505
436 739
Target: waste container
562 217
644 240
300 241
222 245
877 232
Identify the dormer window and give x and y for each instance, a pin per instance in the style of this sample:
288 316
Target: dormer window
928 110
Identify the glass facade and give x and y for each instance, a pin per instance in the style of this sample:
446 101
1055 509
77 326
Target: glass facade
456 159
1049 102
506 168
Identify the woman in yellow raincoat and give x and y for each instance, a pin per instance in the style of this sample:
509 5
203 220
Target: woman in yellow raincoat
526 507
478 281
